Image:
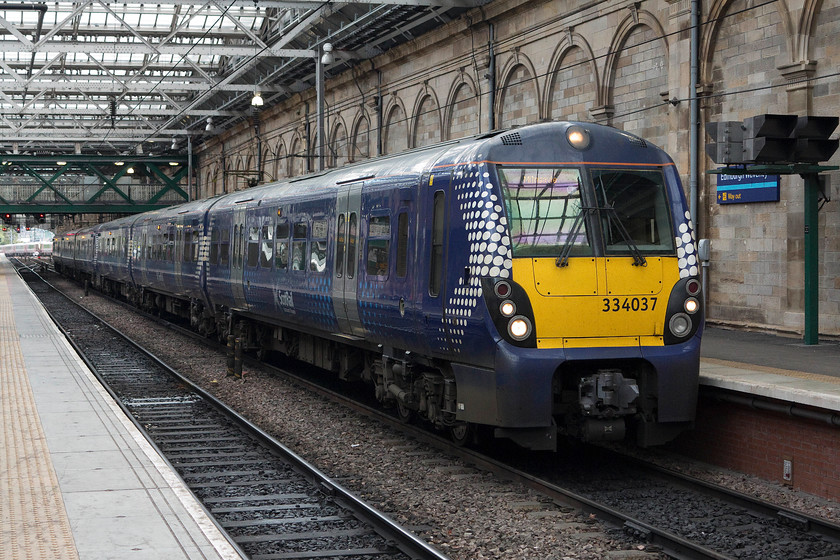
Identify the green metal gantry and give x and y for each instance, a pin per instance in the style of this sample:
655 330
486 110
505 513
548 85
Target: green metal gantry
90 184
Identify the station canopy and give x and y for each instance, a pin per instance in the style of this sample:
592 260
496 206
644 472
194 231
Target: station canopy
110 78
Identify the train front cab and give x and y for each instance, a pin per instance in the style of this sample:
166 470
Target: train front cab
600 320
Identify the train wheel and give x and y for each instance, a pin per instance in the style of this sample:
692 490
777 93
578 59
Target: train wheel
462 433
405 414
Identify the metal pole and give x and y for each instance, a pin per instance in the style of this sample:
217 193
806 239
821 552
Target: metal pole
319 87
812 259
694 117
189 168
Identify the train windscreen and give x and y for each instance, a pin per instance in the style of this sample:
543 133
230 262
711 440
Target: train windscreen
634 212
544 211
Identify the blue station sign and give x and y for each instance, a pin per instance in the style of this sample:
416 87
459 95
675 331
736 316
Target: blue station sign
734 189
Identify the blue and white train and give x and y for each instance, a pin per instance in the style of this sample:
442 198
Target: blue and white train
536 282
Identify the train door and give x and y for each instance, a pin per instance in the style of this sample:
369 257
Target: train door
346 262
237 261
431 278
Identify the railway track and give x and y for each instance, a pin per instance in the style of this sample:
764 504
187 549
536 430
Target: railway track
271 502
675 513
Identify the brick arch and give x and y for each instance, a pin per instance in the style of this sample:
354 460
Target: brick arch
297 156
279 165
571 62
462 104
803 49
426 127
726 64
630 24
717 15
338 145
395 127
519 93
360 137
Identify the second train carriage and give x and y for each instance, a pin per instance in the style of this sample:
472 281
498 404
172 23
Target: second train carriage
537 281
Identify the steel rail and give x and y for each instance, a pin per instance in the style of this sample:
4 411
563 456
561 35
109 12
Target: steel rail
402 539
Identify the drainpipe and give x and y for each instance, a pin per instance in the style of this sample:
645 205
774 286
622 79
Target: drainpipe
491 76
694 117
379 113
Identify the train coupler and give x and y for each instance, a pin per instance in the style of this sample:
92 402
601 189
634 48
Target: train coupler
607 394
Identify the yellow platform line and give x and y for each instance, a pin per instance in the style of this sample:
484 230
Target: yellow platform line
32 515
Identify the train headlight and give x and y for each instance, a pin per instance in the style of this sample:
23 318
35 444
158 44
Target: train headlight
578 137
680 325
519 328
507 308
691 305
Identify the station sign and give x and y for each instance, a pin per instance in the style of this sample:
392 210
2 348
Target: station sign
735 189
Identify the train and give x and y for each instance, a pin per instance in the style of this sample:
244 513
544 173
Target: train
37 249
532 284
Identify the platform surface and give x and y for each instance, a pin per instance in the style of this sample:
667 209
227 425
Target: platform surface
773 366
77 479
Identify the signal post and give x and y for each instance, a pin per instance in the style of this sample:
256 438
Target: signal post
783 145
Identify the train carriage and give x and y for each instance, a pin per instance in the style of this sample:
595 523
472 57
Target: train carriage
538 281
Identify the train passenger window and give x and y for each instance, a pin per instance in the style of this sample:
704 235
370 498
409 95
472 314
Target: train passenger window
195 238
402 244
318 248
299 246
214 246
281 246
379 245
253 246
267 246
634 210
436 265
224 247
352 236
188 249
340 244
544 210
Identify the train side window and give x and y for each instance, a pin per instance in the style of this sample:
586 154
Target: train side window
224 247
281 245
378 245
214 246
299 246
267 246
253 246
195 238
188 249
402 244
352 236
436 265
318 248
340 245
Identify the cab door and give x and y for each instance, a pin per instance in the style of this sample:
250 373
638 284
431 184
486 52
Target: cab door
346 261
431 277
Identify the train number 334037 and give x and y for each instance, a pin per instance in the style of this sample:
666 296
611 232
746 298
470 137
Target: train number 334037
628 304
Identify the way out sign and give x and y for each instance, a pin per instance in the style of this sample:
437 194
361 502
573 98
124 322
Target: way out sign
734 189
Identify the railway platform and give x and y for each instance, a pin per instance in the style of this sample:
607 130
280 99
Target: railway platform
78 480
771 366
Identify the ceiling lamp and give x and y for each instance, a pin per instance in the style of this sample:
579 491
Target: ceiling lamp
209 126
257 100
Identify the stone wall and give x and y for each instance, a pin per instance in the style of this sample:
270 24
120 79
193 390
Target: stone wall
618 63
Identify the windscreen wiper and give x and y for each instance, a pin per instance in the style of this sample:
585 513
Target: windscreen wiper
612 218
565 251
